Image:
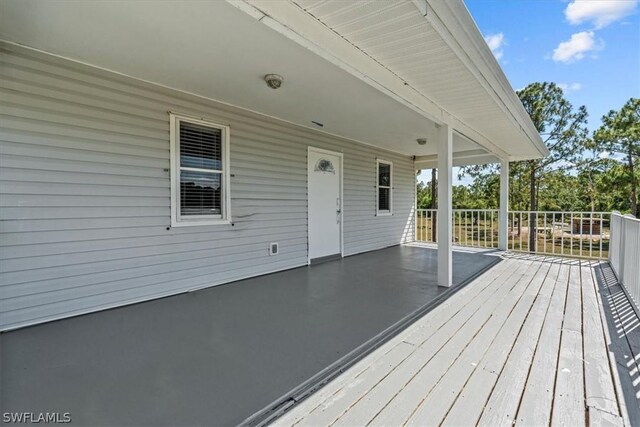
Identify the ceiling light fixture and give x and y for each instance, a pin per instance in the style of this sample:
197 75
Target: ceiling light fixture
421 141
274 81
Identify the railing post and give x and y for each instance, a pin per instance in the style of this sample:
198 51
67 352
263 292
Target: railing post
503 217
614 241
621 250
415 206
632 254
434 205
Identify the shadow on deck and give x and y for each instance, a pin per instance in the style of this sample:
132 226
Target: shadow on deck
624 332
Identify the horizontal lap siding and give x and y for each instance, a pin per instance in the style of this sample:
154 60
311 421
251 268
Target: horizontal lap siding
85 199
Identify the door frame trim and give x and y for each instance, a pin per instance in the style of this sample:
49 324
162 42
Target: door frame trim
341 157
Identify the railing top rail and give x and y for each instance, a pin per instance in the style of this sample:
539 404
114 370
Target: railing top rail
625 216
470 209
579 234
537 212
564 212
457 209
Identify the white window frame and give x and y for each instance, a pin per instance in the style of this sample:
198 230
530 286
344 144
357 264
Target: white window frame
178 220
378 186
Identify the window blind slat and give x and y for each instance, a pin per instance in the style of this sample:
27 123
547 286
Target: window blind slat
383 199
200 146
200 193
201 190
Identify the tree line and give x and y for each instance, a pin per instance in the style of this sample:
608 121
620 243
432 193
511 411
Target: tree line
585 171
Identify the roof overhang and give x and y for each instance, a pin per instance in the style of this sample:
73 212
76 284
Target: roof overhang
382 73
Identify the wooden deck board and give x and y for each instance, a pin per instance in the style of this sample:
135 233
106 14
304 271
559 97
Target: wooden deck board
502 406
456 309
453 312
568 400
501 330
438 400
622 342
525 343
599 388
409 398
415 368
474 396
536 402
490 350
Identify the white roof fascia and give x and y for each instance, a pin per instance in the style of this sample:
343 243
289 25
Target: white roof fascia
446 16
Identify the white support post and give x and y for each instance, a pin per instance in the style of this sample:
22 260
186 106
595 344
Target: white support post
445 205
503 217
415 206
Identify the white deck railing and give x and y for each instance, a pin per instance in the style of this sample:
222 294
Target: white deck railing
471 227
624 255
574 234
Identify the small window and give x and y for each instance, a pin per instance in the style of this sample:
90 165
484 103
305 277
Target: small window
384 187
199 172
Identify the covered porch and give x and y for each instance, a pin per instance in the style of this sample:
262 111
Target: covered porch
413 78
409 82
225 354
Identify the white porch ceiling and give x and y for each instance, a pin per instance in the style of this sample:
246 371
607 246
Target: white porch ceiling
221 51
400 38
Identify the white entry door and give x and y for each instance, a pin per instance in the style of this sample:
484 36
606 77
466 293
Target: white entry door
325 203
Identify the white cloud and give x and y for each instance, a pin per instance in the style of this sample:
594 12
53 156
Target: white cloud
599 12
576 47
569 87
604 155
496 43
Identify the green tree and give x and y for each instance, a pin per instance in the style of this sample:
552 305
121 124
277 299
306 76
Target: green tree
423 196
610 182
620 135
563 130
559 191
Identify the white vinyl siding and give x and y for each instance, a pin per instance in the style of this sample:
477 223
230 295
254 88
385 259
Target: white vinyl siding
85 192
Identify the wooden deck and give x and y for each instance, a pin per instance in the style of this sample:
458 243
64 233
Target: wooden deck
526 343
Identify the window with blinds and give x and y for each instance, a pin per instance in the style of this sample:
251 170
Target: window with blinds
384 187
200 182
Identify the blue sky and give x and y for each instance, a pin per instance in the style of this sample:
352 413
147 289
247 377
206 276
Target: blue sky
590 47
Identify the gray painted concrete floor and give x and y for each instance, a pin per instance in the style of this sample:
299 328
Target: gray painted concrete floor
218 355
